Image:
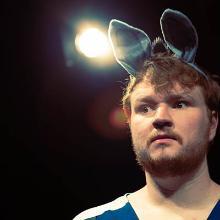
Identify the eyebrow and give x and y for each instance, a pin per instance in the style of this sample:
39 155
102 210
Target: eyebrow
151 99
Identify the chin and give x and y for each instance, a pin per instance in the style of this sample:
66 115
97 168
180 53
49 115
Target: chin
169 161
164 150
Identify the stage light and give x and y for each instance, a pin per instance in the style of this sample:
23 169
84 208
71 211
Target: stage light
105 116
93 43
117 118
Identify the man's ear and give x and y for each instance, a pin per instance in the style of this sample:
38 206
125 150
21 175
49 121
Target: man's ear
127 112
213 125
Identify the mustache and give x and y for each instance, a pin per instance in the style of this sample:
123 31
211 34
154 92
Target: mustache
169 133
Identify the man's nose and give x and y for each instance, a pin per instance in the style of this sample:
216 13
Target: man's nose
162 117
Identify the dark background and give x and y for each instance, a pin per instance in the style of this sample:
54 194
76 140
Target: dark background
62 155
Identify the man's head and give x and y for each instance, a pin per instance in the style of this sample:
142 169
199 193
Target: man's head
171 104
172 111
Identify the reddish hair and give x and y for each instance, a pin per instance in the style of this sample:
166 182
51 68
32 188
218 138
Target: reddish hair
163 70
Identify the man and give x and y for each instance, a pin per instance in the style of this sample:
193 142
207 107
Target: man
172 110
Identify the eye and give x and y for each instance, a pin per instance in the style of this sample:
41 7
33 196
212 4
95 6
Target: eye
181 104
145 108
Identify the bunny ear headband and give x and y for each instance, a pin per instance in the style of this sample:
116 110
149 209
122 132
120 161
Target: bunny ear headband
132 46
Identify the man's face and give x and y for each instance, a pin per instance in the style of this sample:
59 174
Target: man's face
170 131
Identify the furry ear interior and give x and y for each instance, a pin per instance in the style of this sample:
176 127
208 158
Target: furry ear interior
131 46
179 34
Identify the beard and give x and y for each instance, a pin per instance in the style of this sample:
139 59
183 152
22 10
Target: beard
186 161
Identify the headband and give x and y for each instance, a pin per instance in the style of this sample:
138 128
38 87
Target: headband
132 46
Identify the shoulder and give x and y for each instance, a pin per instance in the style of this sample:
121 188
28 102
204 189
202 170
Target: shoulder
99 210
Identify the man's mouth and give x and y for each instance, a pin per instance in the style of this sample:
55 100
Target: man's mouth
163 137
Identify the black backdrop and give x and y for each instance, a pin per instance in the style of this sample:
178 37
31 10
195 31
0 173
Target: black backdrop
58 163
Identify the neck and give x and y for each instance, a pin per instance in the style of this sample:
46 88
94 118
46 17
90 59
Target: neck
187 190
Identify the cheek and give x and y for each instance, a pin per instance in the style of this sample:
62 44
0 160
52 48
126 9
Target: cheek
194 124
140 126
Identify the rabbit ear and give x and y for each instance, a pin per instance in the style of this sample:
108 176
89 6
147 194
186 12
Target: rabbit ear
131 46
179 34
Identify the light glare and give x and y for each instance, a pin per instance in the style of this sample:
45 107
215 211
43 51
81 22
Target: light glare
93 43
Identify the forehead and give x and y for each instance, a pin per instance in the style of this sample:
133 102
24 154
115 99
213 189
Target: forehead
146 89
